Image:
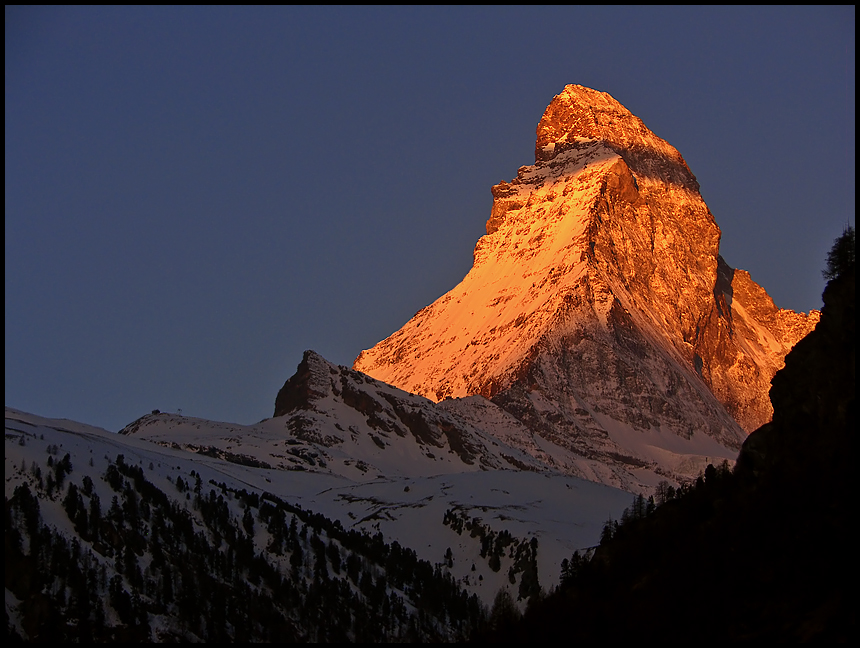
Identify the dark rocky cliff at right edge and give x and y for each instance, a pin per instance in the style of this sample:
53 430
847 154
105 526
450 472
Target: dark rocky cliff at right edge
813 428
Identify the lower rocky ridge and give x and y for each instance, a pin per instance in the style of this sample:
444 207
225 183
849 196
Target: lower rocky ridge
349 417
335 420
624 423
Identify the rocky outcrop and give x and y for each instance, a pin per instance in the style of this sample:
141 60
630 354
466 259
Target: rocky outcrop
743 343
309 384
350 418
598 310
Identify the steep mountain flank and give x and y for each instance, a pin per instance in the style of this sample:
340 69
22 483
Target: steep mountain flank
771 543
598 311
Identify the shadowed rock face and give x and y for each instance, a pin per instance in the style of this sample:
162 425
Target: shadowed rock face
598 304
307 385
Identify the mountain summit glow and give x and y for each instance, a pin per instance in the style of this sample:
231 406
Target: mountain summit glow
580 112
598 311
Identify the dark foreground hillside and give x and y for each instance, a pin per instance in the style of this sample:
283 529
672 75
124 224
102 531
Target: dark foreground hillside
760 552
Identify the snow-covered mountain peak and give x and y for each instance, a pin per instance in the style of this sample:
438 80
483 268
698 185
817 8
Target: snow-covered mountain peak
598 302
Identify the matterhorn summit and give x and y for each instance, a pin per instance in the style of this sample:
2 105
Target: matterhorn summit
598 311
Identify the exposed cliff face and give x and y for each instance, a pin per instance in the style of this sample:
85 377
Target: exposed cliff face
598 310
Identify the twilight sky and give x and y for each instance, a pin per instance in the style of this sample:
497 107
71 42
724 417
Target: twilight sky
194 196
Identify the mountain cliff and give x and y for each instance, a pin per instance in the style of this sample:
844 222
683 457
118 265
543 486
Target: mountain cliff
598 311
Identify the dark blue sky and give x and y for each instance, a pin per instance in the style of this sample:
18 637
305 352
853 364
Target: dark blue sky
195 196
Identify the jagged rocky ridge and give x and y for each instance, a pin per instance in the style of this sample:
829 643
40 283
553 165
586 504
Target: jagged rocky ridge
335 420
598 311
814 398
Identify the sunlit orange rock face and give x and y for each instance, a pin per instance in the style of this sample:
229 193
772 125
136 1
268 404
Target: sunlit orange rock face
598 310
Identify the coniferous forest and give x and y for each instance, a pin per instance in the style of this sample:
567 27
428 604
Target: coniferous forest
148 566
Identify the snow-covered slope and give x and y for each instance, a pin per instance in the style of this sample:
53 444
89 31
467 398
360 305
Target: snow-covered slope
523 270
598 311
529 517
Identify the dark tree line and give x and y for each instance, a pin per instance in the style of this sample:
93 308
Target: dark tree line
189 561
496 545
